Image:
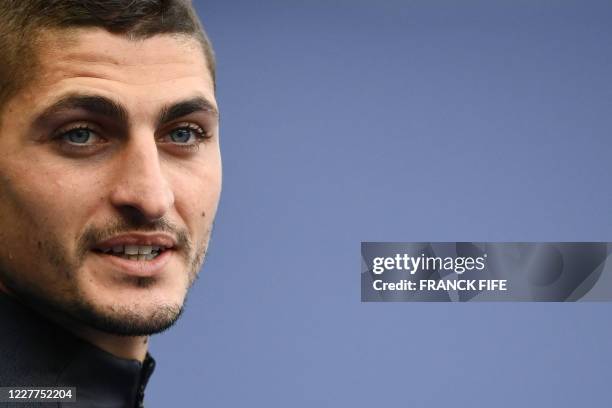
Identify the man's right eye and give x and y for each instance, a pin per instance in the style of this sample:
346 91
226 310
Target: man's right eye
79 139
80 136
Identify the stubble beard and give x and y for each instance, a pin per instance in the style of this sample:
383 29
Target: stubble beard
74 305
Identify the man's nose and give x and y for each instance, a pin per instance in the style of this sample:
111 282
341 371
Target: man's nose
140 184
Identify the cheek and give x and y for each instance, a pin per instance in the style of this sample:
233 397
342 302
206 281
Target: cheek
196 199
41 204
34 229
24 225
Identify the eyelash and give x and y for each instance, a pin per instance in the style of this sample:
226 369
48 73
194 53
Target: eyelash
200 134
78 126
59 136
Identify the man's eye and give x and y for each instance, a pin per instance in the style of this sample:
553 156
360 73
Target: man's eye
190 134
80 136
183 135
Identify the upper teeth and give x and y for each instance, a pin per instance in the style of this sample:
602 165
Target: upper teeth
133 249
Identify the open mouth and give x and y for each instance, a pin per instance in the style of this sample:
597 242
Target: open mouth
133 252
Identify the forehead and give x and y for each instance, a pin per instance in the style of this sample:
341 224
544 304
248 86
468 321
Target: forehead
139 72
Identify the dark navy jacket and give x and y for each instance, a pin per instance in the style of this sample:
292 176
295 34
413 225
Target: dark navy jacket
35 352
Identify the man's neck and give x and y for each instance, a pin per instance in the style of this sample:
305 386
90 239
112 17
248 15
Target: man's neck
133 347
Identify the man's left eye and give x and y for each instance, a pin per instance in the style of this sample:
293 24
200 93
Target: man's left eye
182 135
190 134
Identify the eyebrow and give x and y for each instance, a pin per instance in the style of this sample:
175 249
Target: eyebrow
184 108
103 106
97 105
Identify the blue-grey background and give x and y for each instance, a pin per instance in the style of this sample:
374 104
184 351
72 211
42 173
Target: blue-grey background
346 121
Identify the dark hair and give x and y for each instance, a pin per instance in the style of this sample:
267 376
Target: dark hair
21 21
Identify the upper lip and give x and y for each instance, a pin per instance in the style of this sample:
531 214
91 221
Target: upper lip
157 239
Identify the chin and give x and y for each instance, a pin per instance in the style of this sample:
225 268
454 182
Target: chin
139 307
141 317
123 289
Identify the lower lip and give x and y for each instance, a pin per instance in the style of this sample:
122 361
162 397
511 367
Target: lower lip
149 268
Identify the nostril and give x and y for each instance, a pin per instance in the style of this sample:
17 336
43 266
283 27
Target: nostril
145 207
136 216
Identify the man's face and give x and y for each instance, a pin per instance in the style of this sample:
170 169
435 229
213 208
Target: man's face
110 176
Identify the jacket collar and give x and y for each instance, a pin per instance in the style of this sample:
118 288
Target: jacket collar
43 353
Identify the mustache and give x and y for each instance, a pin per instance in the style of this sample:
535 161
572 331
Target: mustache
94 234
